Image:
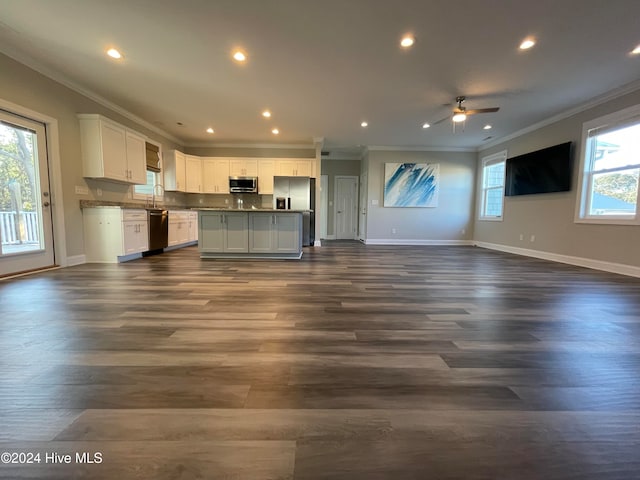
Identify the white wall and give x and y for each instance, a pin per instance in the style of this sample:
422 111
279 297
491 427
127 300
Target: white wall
442 224
550 217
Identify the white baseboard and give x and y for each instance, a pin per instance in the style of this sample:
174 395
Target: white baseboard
398 241
611 267
76 260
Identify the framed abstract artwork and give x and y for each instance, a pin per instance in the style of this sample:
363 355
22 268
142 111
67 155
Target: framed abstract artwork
411 184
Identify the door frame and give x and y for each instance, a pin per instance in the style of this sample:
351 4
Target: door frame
55 176
356 179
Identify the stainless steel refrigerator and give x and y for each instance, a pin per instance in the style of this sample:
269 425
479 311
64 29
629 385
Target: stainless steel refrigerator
298 193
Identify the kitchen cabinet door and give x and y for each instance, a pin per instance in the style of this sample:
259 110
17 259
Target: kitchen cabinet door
287 236
243 167
193 226
174 171
266 172
136 237
236 232
215 175
136 158
294 168
260 232
111 151
193 173
211 233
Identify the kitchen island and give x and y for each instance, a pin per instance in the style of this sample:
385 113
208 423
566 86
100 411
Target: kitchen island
249 233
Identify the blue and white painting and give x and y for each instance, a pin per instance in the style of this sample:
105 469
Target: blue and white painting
411 184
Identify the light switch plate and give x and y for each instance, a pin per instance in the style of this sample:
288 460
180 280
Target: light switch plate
374 202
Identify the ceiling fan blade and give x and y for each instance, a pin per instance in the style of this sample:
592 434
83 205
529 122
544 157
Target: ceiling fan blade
441 120
482 110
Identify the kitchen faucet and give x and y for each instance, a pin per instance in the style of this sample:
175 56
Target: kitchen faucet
153 194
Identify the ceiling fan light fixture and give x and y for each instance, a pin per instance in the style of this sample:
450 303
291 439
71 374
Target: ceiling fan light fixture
459 117
407 41
636 50
527 43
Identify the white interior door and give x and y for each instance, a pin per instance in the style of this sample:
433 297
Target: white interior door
26 227
324 202
346 207
362 223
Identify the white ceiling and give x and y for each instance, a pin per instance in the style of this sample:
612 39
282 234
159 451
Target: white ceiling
322 67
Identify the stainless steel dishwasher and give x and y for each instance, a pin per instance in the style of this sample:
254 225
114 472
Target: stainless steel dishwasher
158 229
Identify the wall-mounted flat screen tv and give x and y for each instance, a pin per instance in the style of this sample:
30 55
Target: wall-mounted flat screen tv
543 171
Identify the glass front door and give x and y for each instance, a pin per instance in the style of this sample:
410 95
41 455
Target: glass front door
26 231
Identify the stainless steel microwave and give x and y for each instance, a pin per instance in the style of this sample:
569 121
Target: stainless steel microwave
243 184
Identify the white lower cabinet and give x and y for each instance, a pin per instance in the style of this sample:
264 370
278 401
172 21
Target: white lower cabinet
193 227
178 227
112 233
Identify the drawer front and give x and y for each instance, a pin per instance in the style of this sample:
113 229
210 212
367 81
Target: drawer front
134 215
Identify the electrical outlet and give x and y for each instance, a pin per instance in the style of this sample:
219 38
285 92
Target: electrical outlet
393 230
82 190
533 238
521 237
463 231
99 192
201 200
226 201
374 202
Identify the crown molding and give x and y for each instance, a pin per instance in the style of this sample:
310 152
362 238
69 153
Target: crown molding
594 102
303 146
62 79
384 148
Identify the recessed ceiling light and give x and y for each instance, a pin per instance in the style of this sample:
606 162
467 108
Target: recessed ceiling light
275 131
266 114
636 50
425 125
113 53
364 124
239 56
407 41
487 127
527 43
209 130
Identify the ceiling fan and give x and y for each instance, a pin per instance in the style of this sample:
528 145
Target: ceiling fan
460 112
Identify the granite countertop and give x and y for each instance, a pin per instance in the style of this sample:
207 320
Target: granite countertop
226 209
143 206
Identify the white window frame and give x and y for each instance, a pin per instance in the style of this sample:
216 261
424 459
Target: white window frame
159 178
623 118
496 158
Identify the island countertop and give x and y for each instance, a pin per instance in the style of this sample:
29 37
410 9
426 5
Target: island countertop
256 210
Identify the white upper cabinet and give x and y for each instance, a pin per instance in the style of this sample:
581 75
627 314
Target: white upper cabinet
174 171
215 175
193 173
266 172
294 167
243 167
136 158
111 151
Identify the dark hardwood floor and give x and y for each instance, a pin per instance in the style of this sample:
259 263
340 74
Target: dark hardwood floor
356 362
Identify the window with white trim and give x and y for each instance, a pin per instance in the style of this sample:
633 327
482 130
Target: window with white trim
610 169
492 200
